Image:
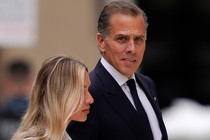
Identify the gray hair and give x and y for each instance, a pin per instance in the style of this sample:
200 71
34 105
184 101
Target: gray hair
118 7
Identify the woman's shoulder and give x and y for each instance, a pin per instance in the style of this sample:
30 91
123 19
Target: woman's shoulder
66 136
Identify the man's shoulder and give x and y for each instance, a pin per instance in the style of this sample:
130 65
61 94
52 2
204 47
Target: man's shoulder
143 77
92 75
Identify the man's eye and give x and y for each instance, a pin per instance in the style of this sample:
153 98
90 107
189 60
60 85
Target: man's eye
121 39
138 38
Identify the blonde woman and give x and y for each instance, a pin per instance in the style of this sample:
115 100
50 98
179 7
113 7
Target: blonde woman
59 95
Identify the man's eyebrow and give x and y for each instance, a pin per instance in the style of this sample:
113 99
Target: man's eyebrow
121 35
140 37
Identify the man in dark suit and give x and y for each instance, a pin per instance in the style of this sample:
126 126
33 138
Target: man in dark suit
115 114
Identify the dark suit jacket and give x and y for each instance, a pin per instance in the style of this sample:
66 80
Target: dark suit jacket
112 116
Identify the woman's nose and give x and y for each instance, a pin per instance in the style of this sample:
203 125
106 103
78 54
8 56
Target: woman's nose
89 98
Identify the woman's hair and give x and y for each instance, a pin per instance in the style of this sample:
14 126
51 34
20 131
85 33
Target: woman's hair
118 7
57 94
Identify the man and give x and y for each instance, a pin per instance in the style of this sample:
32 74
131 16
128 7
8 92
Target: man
115 115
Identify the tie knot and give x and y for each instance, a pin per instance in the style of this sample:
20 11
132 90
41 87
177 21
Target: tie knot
131 83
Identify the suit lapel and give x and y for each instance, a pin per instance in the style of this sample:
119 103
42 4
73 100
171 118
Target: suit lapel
120 103
152 99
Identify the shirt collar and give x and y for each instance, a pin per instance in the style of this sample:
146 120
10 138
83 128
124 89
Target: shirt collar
121 79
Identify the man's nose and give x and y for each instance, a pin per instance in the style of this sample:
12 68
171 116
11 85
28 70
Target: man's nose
131 46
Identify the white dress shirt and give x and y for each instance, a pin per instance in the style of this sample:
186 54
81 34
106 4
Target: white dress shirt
121 80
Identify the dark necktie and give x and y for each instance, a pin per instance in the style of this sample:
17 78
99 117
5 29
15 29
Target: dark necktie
138 105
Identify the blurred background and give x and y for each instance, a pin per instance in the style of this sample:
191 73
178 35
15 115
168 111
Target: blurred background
177 56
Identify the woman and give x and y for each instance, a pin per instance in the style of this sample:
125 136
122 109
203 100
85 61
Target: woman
59 95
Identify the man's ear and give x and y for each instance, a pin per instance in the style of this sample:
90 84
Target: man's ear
100 40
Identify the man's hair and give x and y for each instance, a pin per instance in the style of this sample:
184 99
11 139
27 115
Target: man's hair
118 7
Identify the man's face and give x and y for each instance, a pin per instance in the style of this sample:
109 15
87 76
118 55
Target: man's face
124 46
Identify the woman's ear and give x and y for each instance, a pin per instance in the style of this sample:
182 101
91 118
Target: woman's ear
100 40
